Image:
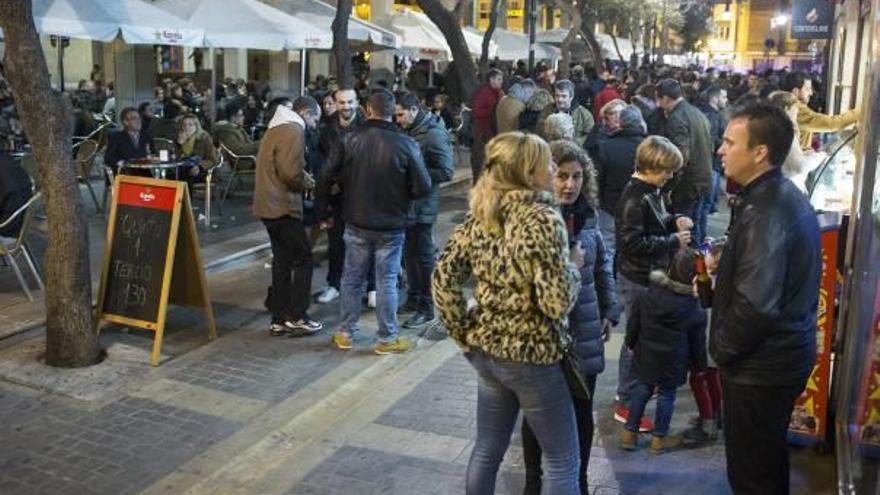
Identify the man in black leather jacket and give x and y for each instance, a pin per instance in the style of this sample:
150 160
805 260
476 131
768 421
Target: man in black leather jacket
380 172
348 118
763 331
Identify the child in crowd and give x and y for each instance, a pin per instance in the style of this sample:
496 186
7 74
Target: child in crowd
705 380
657 332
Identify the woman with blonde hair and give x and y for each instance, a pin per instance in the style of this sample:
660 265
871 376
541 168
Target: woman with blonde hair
796 163
514 243
196 146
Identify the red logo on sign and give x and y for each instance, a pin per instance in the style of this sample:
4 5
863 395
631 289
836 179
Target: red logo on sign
158 198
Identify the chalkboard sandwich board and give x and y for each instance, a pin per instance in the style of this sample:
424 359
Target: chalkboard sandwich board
151 258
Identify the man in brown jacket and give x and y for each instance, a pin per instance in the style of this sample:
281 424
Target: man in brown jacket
809 121
281 179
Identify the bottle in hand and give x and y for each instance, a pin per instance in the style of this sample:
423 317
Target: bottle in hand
704 282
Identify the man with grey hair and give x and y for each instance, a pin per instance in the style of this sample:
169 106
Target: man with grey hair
512 104
563 102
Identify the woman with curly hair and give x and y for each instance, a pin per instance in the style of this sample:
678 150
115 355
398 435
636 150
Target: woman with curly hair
596 309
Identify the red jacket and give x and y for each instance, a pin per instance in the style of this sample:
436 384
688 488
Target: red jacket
607 94
483 105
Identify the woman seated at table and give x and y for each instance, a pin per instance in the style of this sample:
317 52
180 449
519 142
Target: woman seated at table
196 149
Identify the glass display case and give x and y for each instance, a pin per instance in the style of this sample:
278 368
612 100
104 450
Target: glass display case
830 185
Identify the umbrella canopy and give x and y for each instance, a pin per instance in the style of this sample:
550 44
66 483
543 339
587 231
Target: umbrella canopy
318 13
555 37
135 21
247 24
422 39
515 46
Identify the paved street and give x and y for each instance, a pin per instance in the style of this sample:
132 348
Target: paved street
252 414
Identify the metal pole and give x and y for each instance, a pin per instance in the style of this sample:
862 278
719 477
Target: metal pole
533 19
302 72
60 63
213 85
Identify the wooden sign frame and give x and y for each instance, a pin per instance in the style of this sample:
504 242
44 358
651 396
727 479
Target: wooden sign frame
183 281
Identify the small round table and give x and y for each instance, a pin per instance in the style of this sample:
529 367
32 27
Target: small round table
159 170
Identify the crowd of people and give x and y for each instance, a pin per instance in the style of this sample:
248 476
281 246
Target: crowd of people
589 207
609 221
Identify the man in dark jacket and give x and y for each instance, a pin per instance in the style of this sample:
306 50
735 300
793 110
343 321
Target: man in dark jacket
713 107
349 118
763 332
129 143
16 188
688 129
615 163
380 172
432 138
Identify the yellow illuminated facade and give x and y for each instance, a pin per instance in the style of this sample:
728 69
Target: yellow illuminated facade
741 29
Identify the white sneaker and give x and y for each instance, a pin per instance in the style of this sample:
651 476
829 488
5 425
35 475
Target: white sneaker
328 295
371 299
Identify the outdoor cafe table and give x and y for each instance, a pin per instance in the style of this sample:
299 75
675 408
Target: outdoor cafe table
159 170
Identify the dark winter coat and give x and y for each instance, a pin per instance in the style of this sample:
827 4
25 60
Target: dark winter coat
688 129
615 160
597 298
645 231
764 312
433 139
332 137
717 125
380 172
658 328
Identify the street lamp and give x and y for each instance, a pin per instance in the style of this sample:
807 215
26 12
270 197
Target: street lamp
778 21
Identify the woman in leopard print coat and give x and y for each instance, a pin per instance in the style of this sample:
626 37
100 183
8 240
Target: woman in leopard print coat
514 243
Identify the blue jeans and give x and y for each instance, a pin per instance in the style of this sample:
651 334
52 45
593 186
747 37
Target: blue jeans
628 290
541 391
640 394
381 249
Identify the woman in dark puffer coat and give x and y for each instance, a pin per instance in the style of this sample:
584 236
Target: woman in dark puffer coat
596 309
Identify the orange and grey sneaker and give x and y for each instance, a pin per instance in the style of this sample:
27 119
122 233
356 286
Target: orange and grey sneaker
342 340
399 346
660 445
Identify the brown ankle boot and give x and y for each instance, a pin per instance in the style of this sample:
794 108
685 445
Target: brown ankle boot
628 440
660 445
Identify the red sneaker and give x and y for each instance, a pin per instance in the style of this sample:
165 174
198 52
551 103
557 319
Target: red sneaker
621 415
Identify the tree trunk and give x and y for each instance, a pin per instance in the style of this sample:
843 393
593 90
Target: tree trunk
71 337
588 24
617 49
341 49
487 37
565 46
448 23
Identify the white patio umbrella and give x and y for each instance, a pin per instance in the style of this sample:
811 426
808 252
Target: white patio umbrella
135 21
247 24
422 39
320 14
515 46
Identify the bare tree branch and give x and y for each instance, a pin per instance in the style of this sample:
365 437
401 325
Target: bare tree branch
341 49
448 23
487 36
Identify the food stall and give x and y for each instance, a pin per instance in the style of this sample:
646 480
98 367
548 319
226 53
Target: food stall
856 373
